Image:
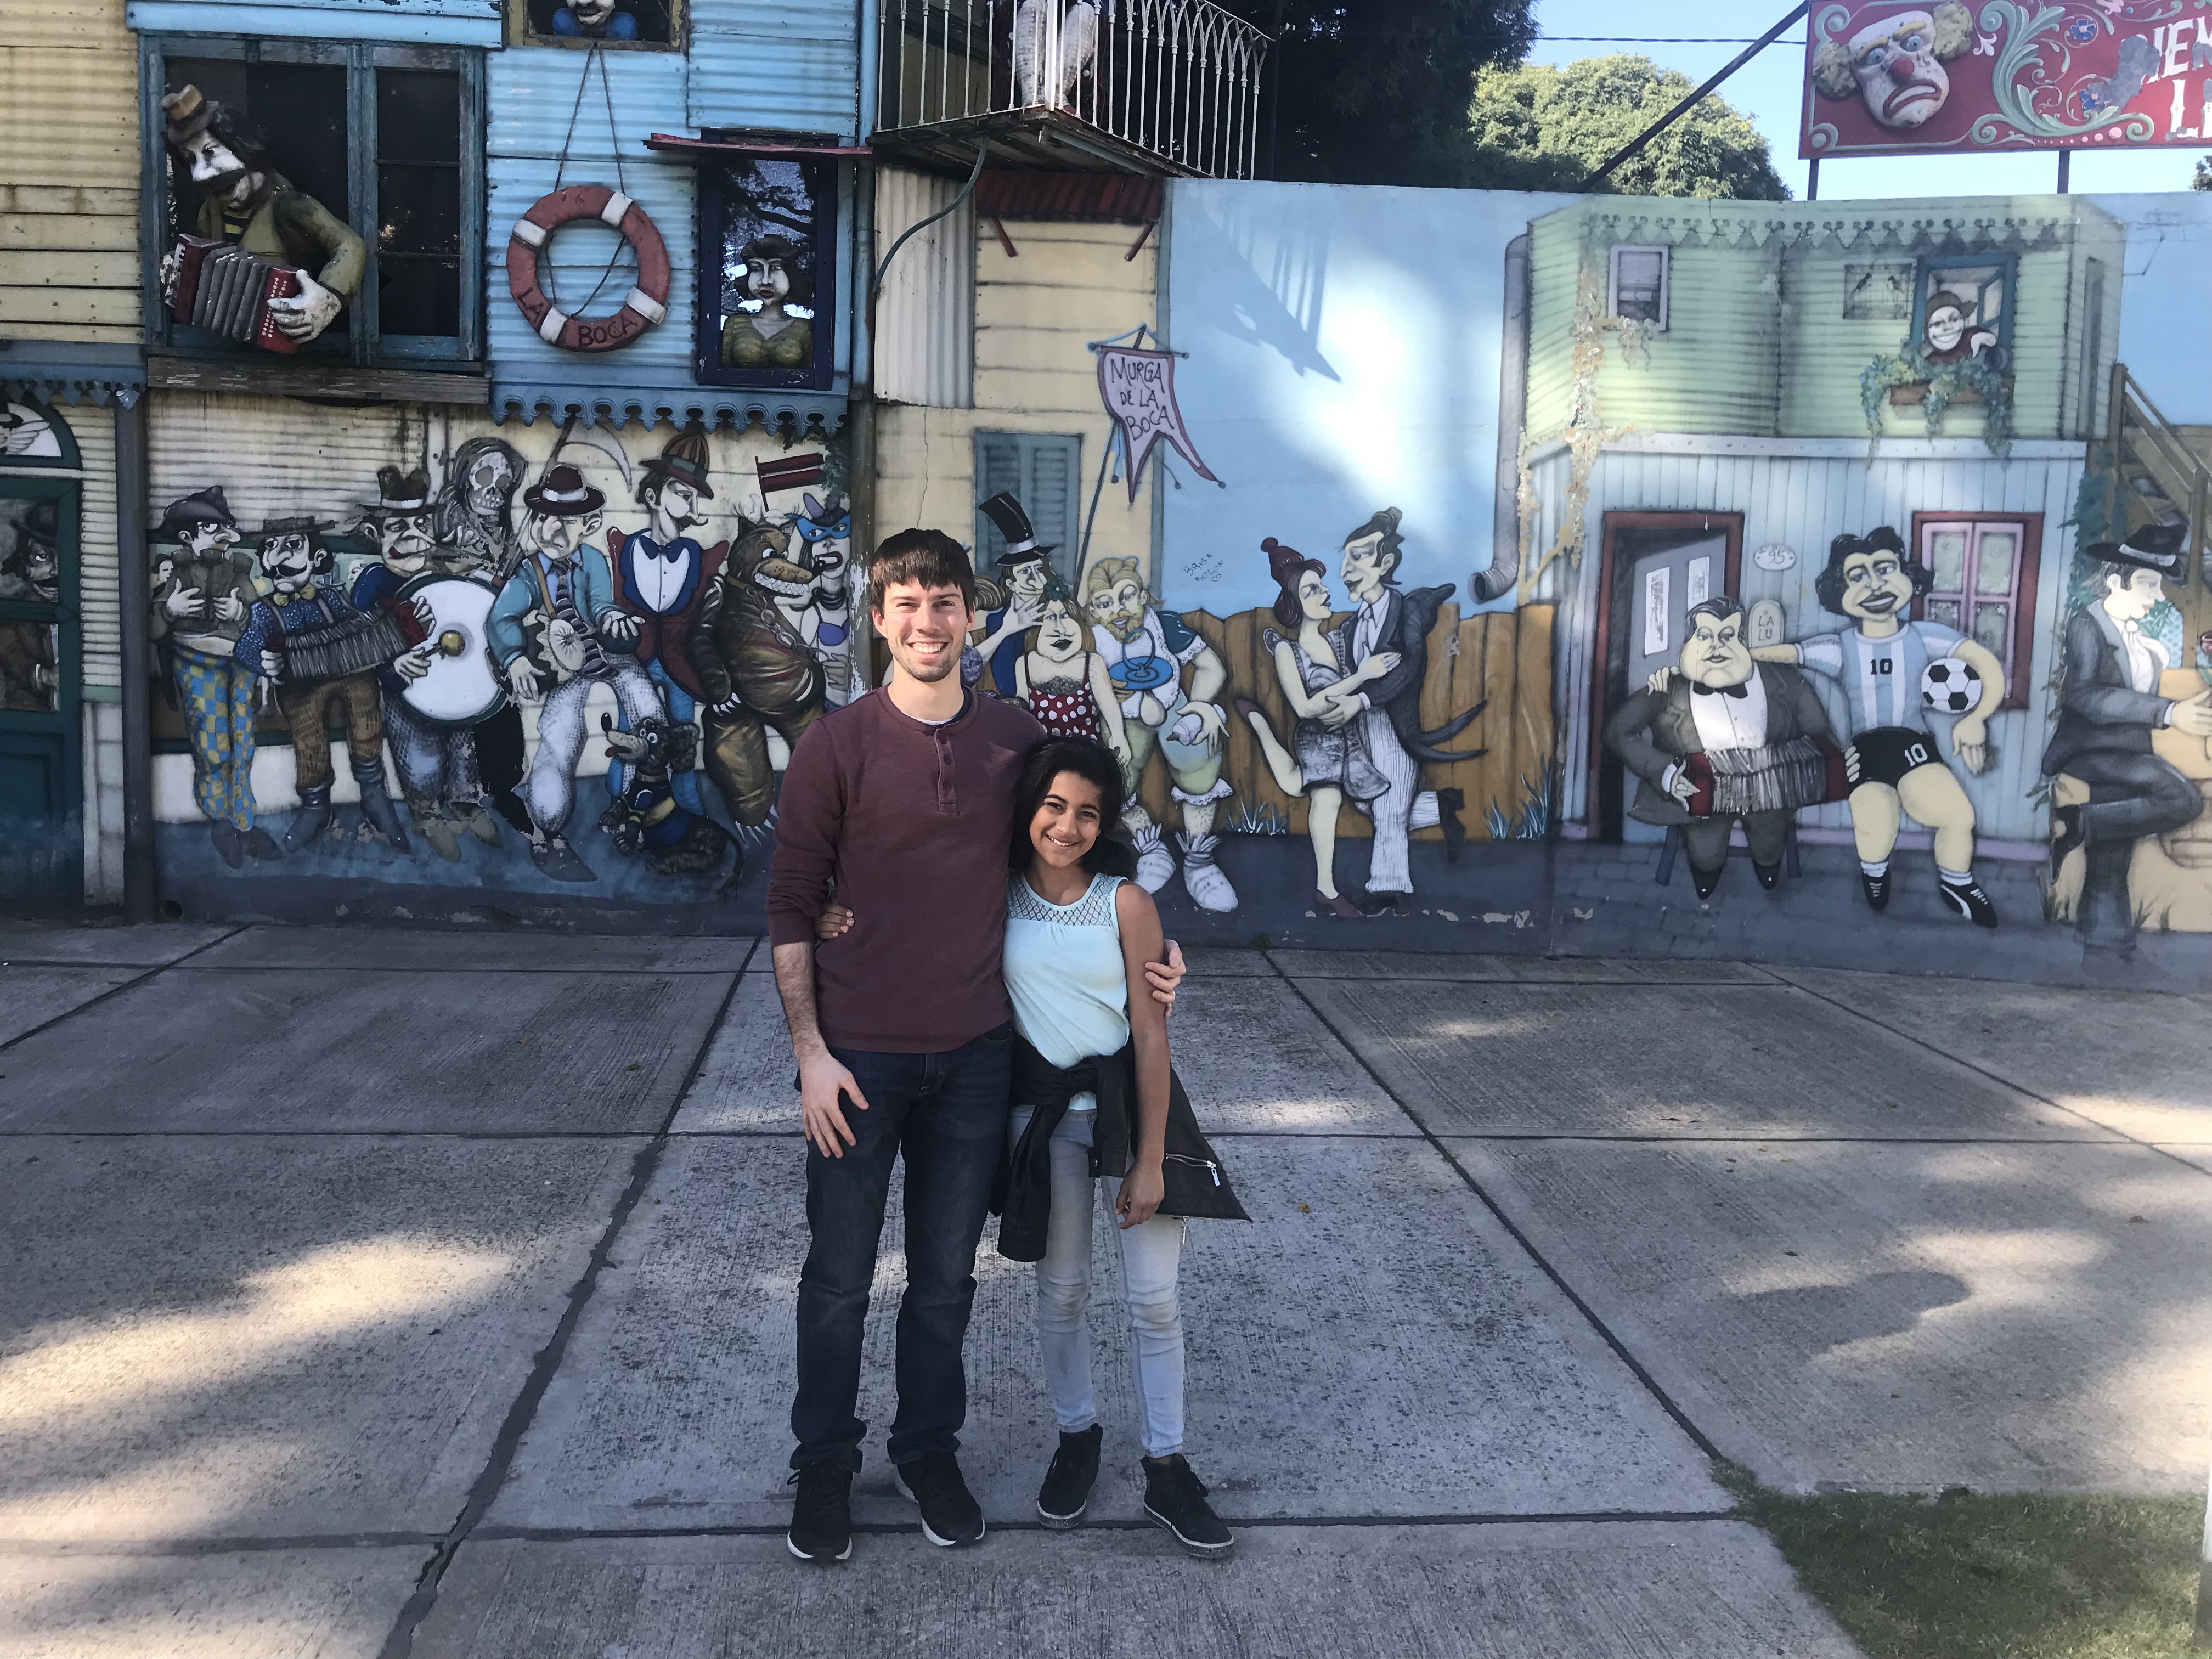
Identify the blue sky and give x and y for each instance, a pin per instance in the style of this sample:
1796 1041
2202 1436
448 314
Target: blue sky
1766 90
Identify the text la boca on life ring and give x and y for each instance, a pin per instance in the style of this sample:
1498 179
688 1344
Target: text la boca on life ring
641 307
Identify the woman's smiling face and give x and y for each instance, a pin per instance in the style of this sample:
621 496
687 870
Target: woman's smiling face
1065 824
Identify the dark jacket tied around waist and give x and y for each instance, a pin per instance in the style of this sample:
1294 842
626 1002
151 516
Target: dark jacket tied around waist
1196 1184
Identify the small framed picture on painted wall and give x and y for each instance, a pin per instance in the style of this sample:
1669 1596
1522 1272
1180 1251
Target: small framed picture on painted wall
768 267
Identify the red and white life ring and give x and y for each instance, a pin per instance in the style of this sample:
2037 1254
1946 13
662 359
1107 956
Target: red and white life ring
644 306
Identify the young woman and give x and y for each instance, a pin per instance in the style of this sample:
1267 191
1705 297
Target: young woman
1330 762
1063 684
1093 1093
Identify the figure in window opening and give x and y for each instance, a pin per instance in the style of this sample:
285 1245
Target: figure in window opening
556 632
202 592
1326 762
1063 684
770 337
594 20
755 669
1021 584
31 572
323 653
473 520
1949 334
823 533
242 201
660 574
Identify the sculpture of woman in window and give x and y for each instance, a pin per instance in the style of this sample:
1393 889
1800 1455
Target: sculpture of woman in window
771 337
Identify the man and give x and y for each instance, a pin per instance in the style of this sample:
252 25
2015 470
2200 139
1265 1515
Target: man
1387 715
1146 648
1728 739
1022 572
660 574
322 652
594 20
474 523
546 631
437 763
901 1030
31 574
242 201
2108 707
202 593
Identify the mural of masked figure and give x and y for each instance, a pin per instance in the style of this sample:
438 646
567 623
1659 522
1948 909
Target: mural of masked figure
244 201
437 763
2108 707
203 591
32 571
548 631
659 573
1327 761
755 669
1879 663
1727 739
824 533
1146 649
474 523
323 653
1396 622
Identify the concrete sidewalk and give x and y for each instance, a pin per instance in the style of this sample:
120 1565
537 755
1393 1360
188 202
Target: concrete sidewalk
379 1293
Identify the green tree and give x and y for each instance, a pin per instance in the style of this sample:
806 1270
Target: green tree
1539 127
1374 92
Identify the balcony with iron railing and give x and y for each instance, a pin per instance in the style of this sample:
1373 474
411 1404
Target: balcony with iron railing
1132 86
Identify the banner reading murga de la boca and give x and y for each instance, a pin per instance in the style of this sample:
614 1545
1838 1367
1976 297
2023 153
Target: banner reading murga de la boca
1884 79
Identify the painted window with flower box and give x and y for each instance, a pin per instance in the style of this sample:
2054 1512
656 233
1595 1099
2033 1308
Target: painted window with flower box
1984 566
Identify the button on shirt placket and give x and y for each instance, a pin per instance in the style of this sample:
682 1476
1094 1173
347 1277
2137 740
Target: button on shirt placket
948 797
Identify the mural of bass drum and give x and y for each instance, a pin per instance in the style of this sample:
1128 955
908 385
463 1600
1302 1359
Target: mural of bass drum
463 685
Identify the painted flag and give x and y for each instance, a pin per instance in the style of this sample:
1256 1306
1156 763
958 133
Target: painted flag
792 472
1137 388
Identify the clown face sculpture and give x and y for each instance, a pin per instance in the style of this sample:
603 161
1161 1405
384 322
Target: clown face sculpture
1894 65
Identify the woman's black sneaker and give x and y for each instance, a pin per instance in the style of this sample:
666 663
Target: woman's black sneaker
950 1513
822 1517
1176 1498
1067 1489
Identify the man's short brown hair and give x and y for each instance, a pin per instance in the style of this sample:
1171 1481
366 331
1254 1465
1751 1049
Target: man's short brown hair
927 558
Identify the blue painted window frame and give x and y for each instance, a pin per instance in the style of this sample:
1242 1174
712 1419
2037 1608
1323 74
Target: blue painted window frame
362 345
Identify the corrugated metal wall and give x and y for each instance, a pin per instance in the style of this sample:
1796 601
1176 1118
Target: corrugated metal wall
926 315
446 22
1802 495
793 63
68 148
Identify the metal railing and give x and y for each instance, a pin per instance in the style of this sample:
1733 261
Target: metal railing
1177 80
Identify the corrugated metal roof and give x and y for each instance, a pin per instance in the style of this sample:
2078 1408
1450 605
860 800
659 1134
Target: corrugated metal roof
1111 196
794 65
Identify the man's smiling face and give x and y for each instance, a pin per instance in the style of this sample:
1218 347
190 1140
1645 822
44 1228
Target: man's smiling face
924 627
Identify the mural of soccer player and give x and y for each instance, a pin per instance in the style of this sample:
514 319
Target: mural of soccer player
1893 757
2108 707
660 574
1146 649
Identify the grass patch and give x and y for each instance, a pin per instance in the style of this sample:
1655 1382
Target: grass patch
1976 1576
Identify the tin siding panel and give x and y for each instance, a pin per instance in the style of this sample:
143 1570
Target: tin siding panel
795 64
926 318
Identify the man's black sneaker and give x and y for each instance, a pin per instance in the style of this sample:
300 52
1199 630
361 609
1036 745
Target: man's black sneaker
1067 1489
822 1516
1176 1498
950 1513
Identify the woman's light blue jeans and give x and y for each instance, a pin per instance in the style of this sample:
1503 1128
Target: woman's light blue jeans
1151 1255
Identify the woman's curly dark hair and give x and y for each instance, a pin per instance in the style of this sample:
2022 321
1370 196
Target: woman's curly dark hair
1094 762
1828 585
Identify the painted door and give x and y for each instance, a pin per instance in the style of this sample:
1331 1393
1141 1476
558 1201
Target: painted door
1658 572
42 792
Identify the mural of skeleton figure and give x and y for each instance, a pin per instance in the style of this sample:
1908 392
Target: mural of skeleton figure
31 571
1022 571
242 201
474 523
1326 761
323 653
660 573
1065 686
755 668
1878 664
550 631
2108 705
1394 622
1727 738
1146 649
437 763
203 591
824 534
771 337
1894 65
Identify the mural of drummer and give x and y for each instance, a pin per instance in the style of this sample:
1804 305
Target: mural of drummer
1145 650
437 762
550 631
659 573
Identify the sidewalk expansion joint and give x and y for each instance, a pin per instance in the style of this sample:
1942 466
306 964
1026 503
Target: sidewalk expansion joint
523 1410
1667 1403
132 983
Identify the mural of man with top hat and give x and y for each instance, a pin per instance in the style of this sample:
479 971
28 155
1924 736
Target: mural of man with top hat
1023 569
550 630
242 201
203 591
658 574
2108 707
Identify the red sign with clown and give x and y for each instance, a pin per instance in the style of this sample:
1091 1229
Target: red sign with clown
1885 78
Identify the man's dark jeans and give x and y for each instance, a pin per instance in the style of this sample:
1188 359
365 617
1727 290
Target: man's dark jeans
946 1113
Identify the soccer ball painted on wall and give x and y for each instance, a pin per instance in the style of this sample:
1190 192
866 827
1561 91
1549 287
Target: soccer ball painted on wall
1950 686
